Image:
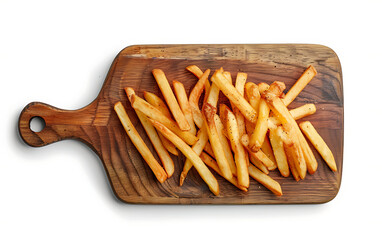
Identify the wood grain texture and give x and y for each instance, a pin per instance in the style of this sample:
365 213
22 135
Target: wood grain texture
98 126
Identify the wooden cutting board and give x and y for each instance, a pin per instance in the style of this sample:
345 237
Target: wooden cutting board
98 126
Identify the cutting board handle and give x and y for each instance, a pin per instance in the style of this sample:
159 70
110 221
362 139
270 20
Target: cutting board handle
59 124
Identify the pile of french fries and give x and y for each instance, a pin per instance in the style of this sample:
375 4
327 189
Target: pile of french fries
256 135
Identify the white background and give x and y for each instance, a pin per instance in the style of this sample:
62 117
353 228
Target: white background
59 53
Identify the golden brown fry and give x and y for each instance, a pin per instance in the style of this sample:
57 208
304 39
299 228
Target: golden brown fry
234 136
263 87
292 142
265 180
259 155
299 85
290 158
168 145
212 164
278 149
207 87
198 149
209 113
181 96
195 70
258 164
303 111
228 76
159 104
253 94
284 116
138 142
234 96
257 138
164 156
274 90
213 95
169 96
297 113
249 127
202 169
319 143
267 149
241 78
311 161
195 96
225 144
155 114
198 73
208 149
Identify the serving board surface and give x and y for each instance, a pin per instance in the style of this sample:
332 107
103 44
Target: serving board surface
131 179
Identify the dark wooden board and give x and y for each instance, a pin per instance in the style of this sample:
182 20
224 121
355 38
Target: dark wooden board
132 181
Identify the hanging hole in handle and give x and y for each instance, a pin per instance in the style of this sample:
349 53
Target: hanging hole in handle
37 124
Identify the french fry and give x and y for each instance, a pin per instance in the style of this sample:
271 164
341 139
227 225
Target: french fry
208 149
299 85
168 145
257 137
311 161
163 154
253 94
303 111
276 89
202 169
138 142
159 104
259 155
290 158
267 149
198 73
284 116
319 143
250 97
169 96
198 149
292 142
181 96
195 96
228 76
207 159
209 113
207 87
213 95
265 180
249 127
155 114
297 113
195 70
234 96
225 144
234 137
258 164
263 87
241 79
278 149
